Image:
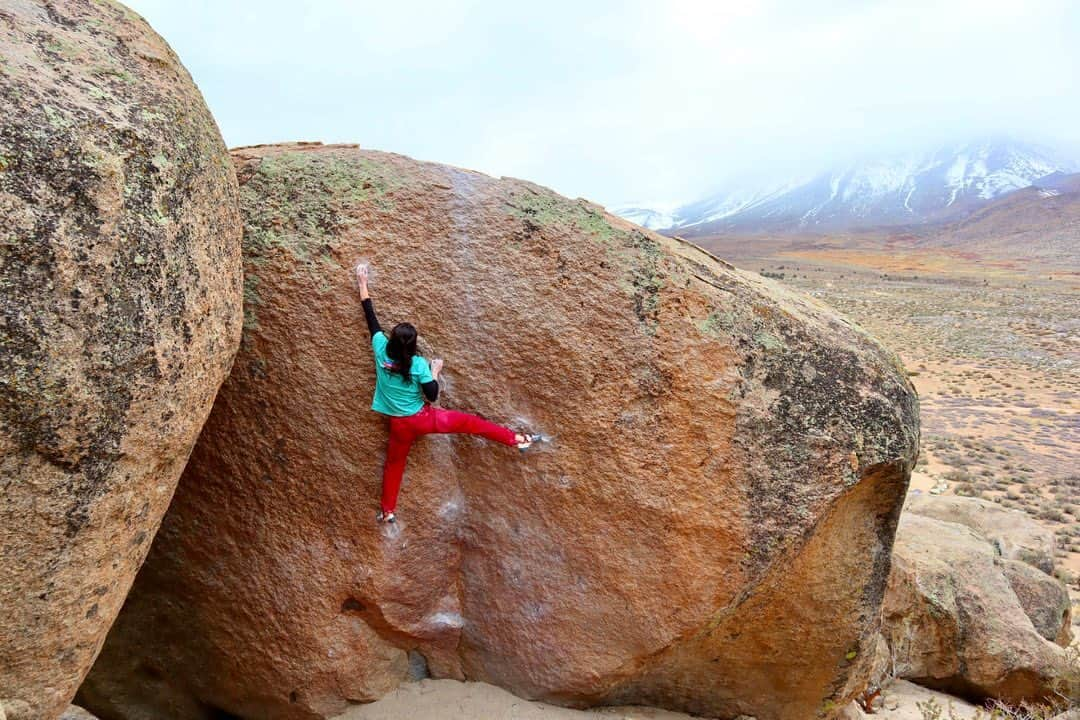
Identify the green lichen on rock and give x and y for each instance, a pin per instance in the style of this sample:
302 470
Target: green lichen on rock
539 207
646 278
295 203
632 249
251 301
292 202
768 341
119 303
717 324
115 73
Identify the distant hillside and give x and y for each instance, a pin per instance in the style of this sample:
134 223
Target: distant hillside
908 189
1041 222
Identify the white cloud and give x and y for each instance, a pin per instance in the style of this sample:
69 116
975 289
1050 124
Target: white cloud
623 100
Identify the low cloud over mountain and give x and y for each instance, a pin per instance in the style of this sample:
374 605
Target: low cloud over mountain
911 188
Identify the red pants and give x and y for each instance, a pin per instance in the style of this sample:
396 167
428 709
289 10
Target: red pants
405 430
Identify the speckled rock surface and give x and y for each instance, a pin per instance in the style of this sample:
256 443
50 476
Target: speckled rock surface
121 312
1045 600
710 530
953 621
1015 534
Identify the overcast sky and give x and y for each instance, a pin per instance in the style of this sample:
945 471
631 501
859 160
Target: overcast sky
655 101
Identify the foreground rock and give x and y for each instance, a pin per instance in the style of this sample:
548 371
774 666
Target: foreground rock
1014 534
120 269
712 523
1027 552
1045 601
954 622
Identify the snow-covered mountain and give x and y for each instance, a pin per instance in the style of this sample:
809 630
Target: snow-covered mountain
646 215
901 189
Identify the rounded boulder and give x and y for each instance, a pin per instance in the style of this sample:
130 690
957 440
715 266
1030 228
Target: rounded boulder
121 311
709 529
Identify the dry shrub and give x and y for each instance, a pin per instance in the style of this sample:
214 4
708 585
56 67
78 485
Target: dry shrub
1066 687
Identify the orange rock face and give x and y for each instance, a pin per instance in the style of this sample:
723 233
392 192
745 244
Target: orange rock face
121 312
709 530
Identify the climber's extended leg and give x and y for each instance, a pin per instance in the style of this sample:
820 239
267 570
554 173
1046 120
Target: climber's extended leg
452 421
397 452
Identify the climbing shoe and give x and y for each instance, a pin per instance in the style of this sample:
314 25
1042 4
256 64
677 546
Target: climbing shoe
385 517
529 441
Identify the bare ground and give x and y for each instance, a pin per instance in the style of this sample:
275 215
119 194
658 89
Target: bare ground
454 700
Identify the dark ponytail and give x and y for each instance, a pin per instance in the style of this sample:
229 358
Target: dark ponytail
402 348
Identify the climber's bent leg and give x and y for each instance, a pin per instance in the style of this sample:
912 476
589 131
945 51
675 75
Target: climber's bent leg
397 452
452 421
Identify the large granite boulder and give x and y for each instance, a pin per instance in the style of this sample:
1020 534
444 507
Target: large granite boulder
1044 598
954 622
120 313
1026 549
709 531
1014 534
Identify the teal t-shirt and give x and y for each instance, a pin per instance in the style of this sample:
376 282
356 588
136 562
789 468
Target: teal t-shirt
393 394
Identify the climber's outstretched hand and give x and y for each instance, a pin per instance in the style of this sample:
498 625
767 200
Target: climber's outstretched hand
436 367
362 272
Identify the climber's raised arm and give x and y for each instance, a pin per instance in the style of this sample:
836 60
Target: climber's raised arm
365 299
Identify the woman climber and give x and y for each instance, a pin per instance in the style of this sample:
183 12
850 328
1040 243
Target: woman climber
403 379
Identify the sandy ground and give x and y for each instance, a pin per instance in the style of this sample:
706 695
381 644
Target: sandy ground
453 700
902 699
